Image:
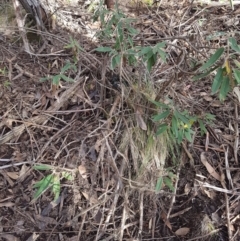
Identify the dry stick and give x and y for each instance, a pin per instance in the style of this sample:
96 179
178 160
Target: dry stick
175 189
41 119
141 216
226 196
236 141
124 218
81 227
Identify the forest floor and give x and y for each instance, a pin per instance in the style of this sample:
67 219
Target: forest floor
87 131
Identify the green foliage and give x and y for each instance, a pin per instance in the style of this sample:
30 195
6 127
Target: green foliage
75 48
51 181
165 181
227 76
61 76
178 124
119 27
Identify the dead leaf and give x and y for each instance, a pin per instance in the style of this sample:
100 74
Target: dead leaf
210 194
210 169
92 199
33 237
208 98
182 231
13 175
6 204
83 171
236 91
9 237
141 123
165 220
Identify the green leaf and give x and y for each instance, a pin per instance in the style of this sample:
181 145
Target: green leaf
203 129
209 116
183 118
168 182
217 81
56 187
104 49
200 76
67 79
161 129
68 176
56 79
159 184
144 51
159 104
234 45
225 87
213 59
237 63
174 126
42 167
151 62
45 78
116 60
45 183
236 73
68 66
187 134
161 116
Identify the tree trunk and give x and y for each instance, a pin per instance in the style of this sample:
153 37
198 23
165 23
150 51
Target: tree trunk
37 12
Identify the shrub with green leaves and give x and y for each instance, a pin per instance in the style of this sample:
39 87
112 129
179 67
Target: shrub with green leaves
226 77
51 181
119 27
178 123
62 75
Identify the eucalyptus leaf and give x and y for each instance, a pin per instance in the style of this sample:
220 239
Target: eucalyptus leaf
213 59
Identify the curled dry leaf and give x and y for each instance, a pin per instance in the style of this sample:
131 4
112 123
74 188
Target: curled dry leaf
141 123
182 231
83 171
210 169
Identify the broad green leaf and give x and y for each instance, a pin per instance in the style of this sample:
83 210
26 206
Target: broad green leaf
183 118
236 73
161 129
174 126
116 60
159 104
234 45
225 87
180 136
203 129
145 50
217 81
159 184
56 79
237 63
161 116
42 167
161 45
171 175
168 182
200 76
162 55
45 78
151 62
45 183
68 176
104 49
68 66
213 59
56 187
210 116
67 79
188 135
